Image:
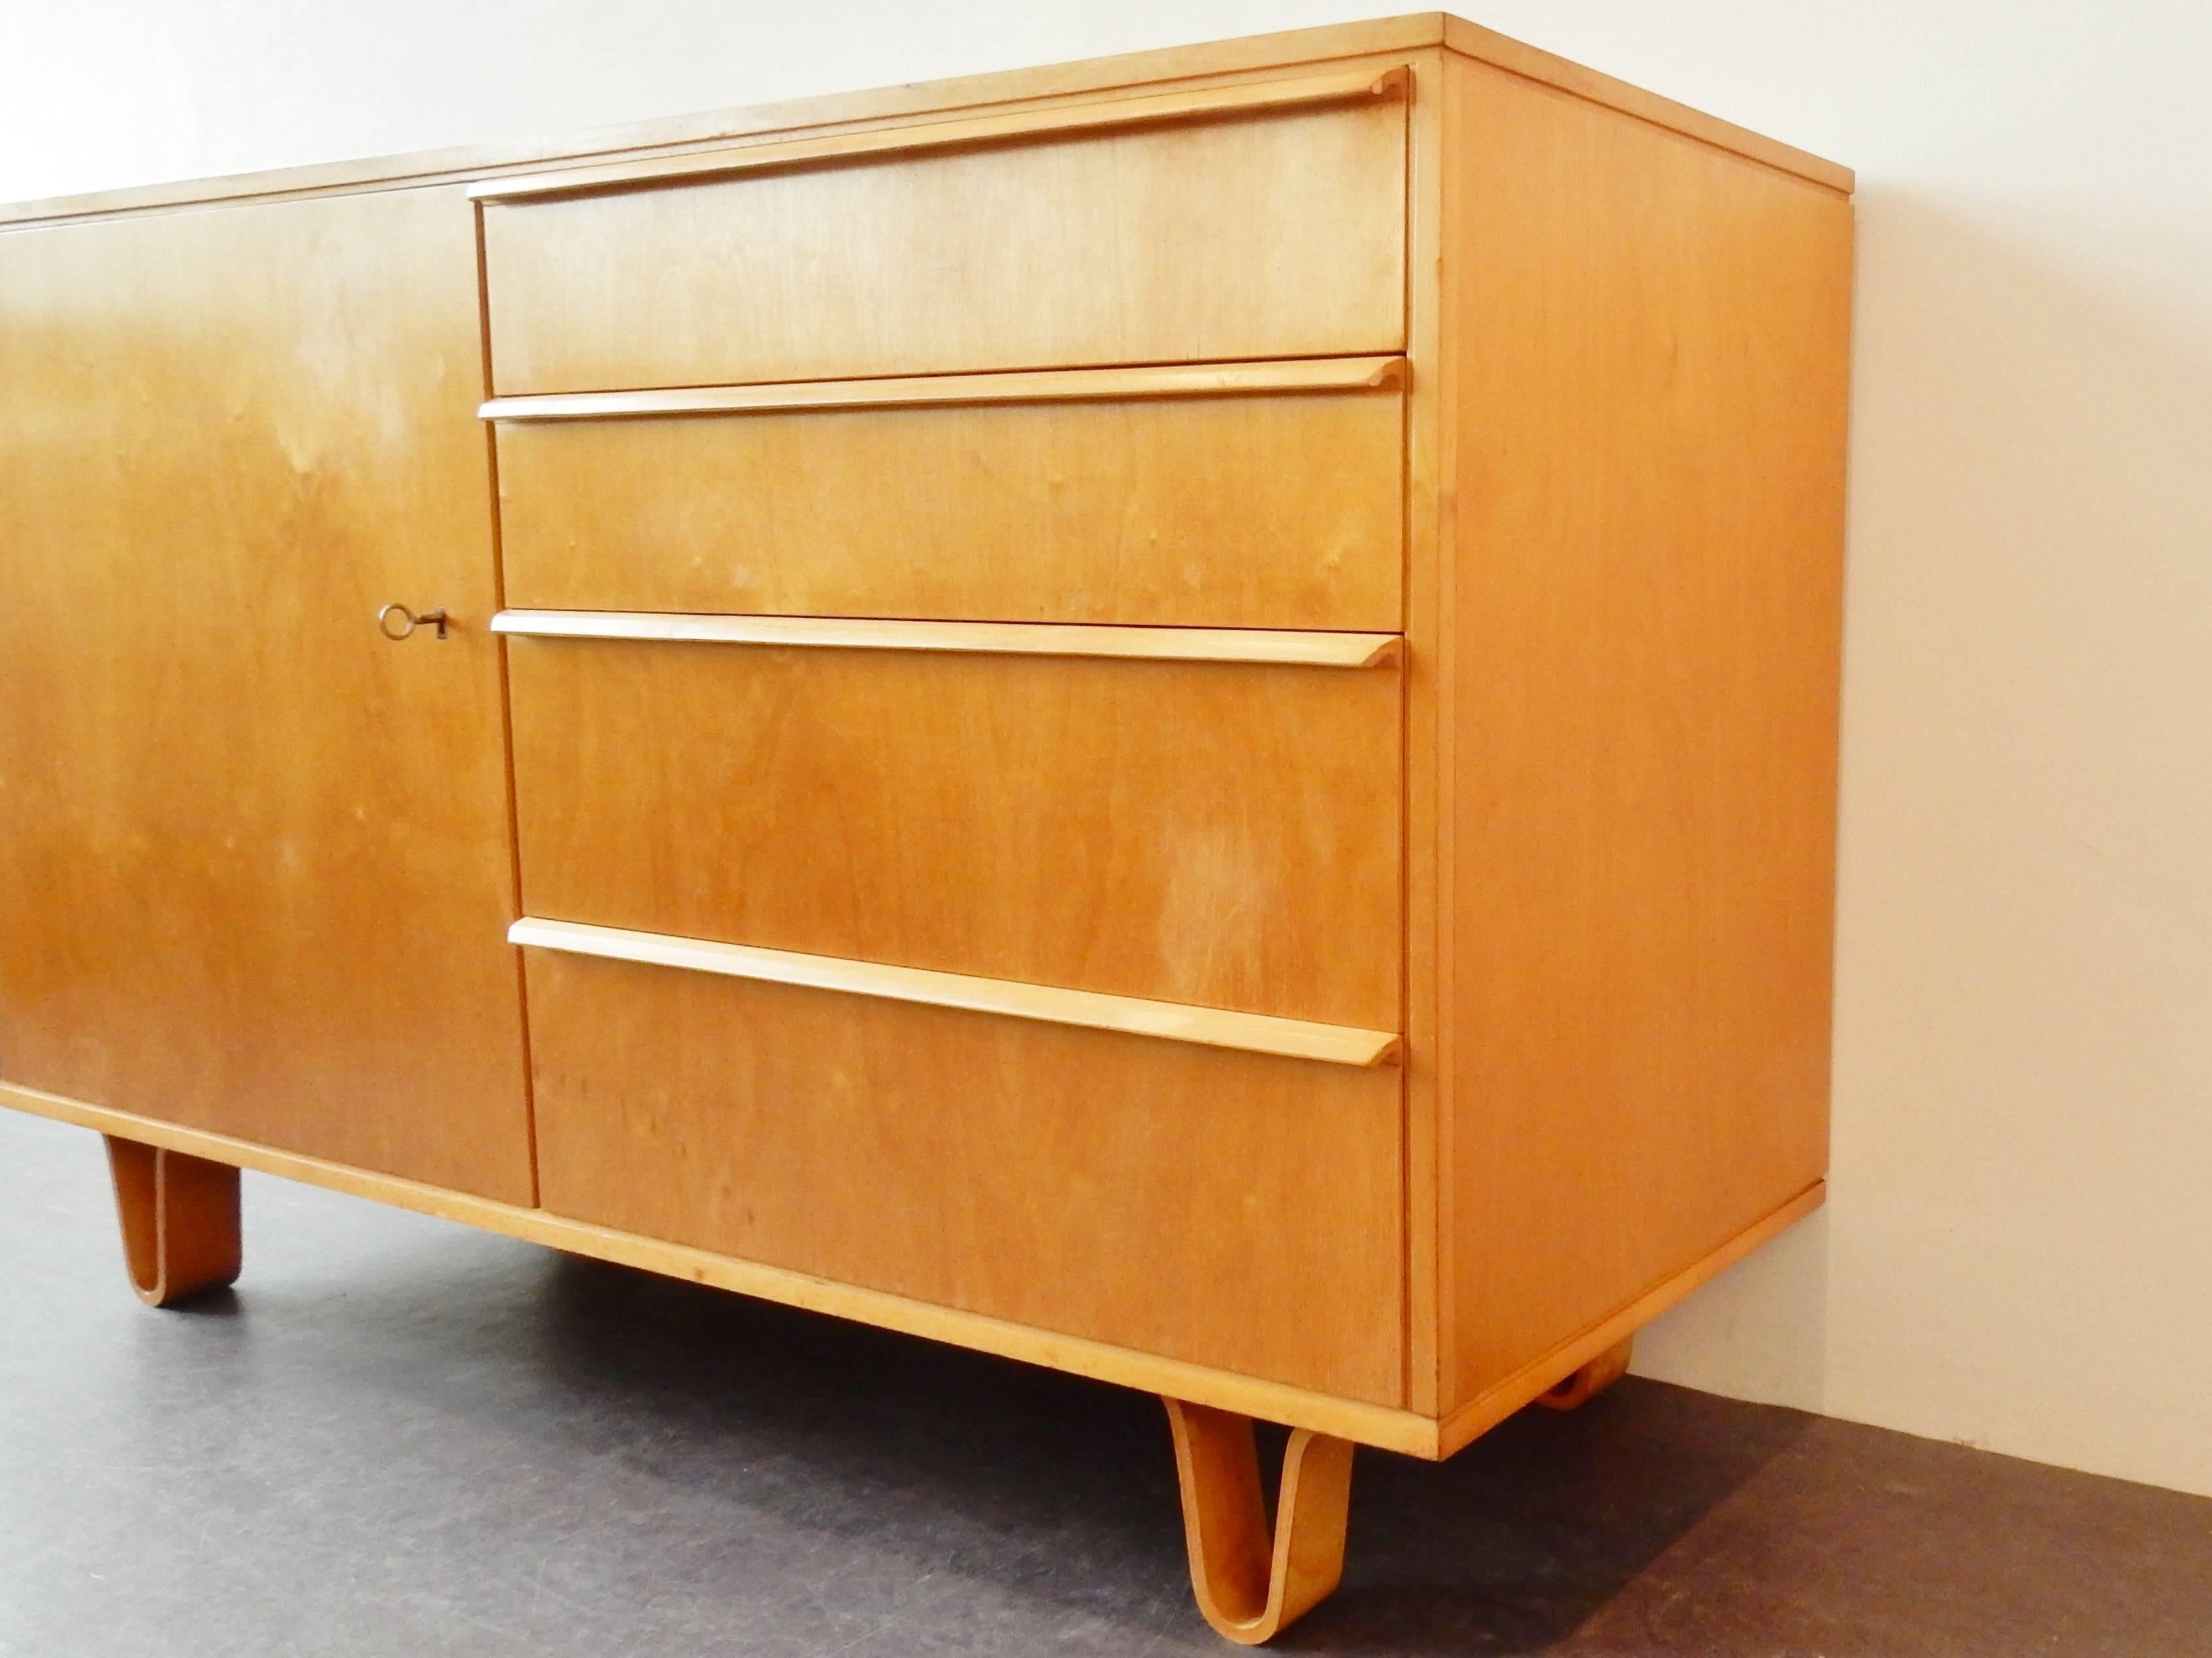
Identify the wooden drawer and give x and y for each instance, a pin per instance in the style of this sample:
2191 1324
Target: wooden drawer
1225 1208
1210 833
1252 495
1265 220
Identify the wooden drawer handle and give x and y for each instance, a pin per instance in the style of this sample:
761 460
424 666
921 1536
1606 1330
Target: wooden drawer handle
1050 386
1254 646
1211 1027
1253 97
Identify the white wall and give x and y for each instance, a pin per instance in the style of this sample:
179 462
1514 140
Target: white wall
2018 1251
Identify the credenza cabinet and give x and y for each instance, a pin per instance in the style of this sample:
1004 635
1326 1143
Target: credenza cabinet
1174 717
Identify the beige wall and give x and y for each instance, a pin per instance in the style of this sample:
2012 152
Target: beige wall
2019 1248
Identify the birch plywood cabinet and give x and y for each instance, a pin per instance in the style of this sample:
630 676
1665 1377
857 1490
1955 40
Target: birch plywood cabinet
1174 717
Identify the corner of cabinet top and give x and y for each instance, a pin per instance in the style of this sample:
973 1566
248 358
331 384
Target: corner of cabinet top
1296 49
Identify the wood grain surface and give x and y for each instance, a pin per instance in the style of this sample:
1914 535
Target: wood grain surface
1226 1208
1268 236
1204 833
1651 338
254 860
1256 511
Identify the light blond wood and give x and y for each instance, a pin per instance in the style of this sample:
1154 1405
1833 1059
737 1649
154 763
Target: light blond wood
1383 1426
1374 43
254 857
1252 98
1271 235
1041 456
1250 1033
1270 508
1414 1434
1427 677
1251 647
1221 1208
1652 341
1203 833
1473 42
180 1222
1251 1586
937 391
1590 1380
1094 78
1478 1416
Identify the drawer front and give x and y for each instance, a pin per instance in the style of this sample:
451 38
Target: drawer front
1259 510
1227 1209
1215 834
1278 233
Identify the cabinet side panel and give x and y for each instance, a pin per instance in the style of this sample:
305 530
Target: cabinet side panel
1651 339
1426 680
254 867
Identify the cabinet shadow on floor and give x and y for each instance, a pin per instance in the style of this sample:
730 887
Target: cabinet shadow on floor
397 1434
1508 1548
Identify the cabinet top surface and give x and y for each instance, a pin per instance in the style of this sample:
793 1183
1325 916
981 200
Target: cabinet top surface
675 135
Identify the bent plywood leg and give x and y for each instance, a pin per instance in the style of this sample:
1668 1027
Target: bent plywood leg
1593 1379
1250 1584
179 1215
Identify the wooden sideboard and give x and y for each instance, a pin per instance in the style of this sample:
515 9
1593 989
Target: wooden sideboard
1175 717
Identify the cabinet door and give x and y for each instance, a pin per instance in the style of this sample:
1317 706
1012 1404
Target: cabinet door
254 860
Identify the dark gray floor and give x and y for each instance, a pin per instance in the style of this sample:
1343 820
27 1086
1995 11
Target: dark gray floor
402 1437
